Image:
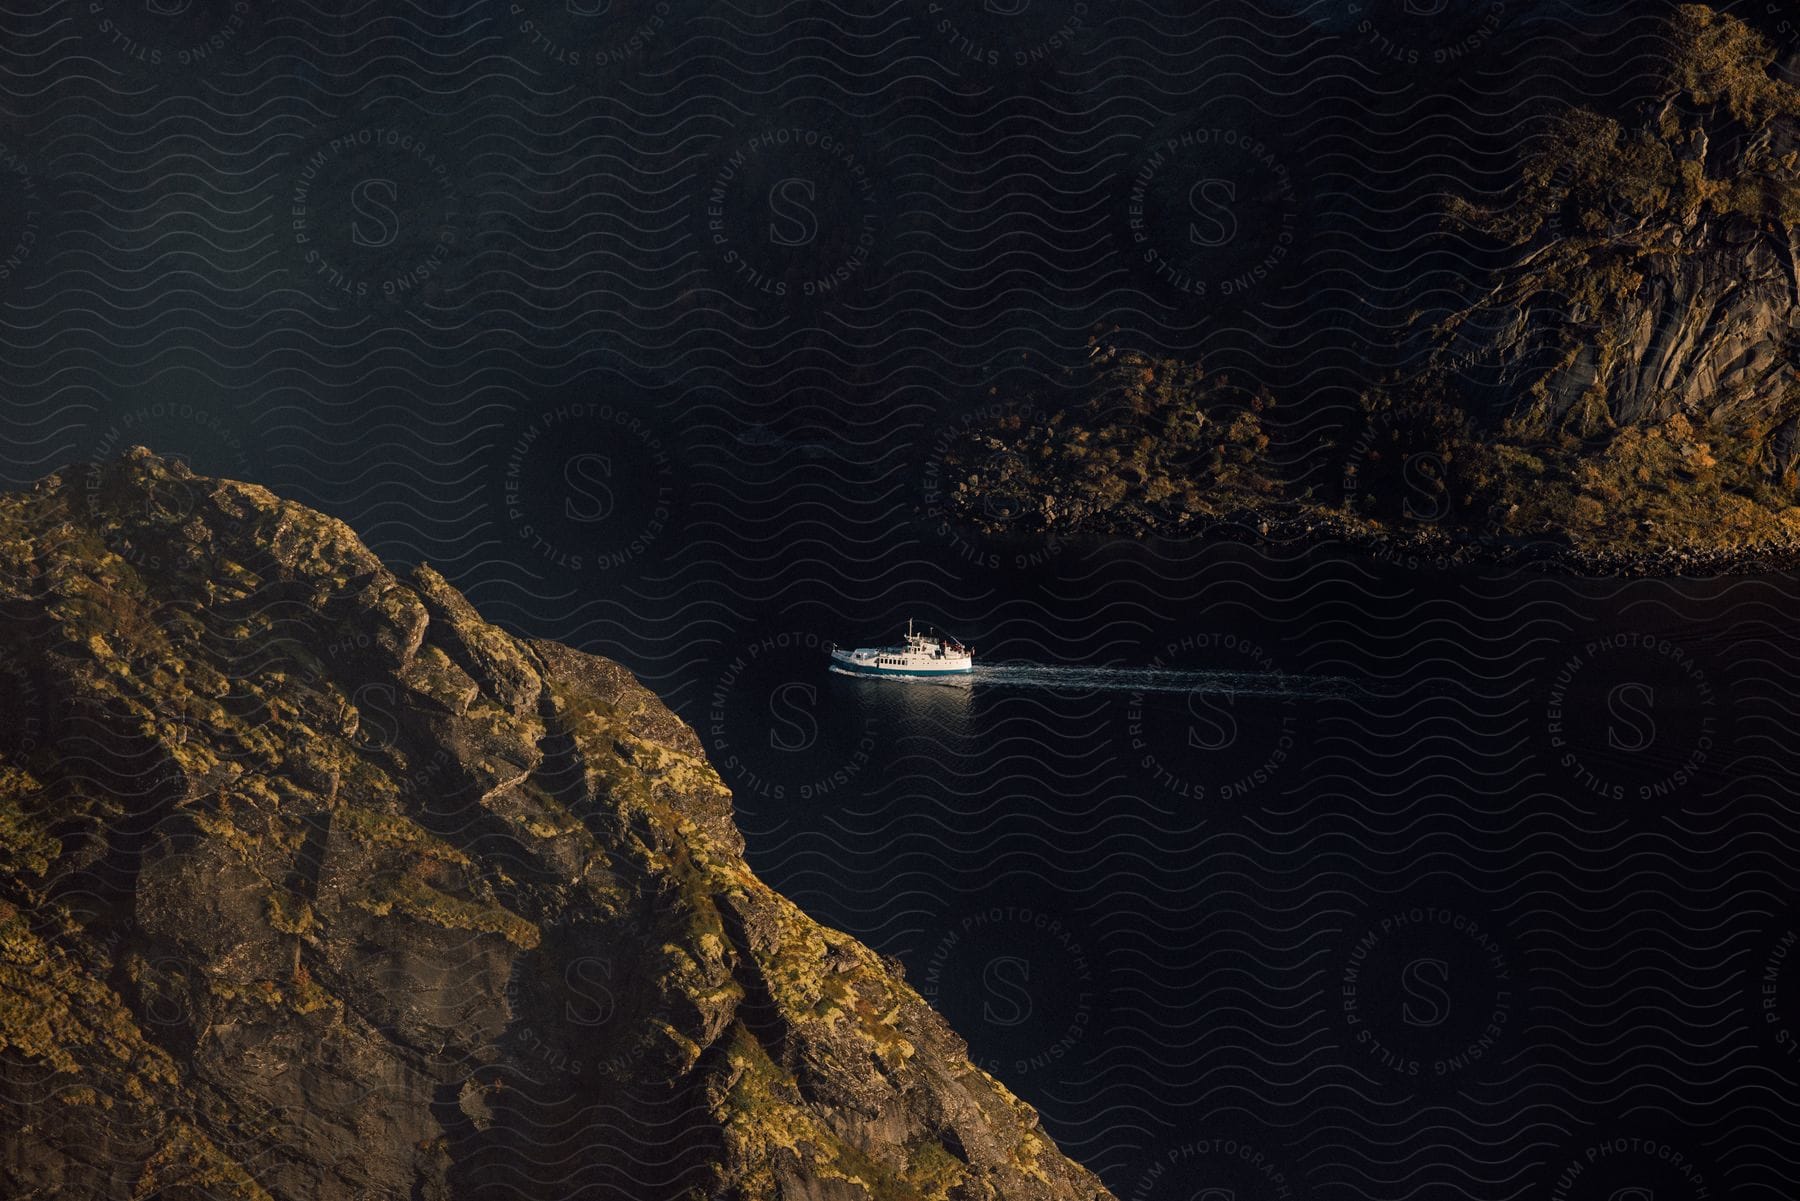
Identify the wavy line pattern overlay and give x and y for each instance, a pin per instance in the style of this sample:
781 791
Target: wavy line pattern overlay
1262 871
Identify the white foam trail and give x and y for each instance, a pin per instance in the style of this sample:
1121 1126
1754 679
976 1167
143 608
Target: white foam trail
1076 678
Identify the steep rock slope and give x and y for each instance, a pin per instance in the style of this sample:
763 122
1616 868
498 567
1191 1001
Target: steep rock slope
1618 391
1658 273
315 885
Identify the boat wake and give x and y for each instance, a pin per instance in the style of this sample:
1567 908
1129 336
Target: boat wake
1074 678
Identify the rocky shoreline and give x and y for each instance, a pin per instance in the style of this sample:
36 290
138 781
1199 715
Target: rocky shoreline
1439 550
1617 399
314 884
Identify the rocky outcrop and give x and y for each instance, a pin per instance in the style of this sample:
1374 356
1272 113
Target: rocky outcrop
315 885
1658 262
1619 393
1707 331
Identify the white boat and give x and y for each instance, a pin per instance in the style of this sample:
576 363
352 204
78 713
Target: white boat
928 654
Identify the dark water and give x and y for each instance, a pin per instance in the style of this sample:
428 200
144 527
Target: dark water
1262 872
1420 878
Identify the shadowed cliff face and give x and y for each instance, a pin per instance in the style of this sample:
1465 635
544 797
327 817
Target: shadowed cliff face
1618 394
315 885
1657 270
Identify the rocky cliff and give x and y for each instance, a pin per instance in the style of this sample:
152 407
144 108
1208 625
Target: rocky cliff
1619 390
315 885
1657 270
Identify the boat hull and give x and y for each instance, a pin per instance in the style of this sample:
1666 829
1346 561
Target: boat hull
856 664
867 669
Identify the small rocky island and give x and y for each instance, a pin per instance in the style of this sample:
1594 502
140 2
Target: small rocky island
1622 393
313 884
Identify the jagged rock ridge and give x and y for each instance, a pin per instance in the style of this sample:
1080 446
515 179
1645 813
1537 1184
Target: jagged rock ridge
1659 265
315 885
1618 393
